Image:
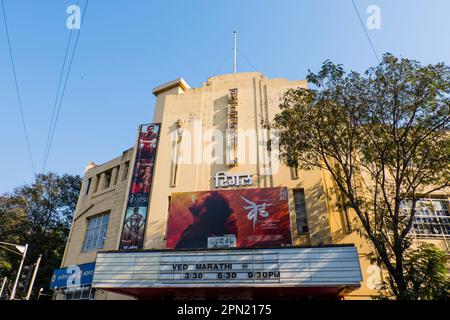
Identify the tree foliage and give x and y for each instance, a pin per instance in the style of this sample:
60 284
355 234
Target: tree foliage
427 273
384 138
39 214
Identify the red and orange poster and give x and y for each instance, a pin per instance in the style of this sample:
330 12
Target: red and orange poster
243 218
141 183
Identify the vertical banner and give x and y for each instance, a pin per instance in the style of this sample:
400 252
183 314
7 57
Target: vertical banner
133 228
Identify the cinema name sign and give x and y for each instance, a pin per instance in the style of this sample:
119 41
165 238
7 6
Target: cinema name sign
280 267
222 180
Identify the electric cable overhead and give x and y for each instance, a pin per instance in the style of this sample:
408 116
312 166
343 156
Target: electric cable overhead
58 110
223 62
365 31
247 60
19 99
55 103
233 51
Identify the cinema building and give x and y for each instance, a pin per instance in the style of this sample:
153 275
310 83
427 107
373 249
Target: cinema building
200 207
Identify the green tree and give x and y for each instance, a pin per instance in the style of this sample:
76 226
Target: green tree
39 214
384 138
427 273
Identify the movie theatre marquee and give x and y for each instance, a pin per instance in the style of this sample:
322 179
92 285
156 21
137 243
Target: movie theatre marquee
320 266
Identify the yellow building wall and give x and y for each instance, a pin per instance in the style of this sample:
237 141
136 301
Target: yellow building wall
99 200
205 109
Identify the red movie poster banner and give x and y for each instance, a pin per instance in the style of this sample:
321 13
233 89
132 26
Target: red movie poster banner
229 218
133 230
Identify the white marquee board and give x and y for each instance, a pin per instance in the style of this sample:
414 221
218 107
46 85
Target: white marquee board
323 266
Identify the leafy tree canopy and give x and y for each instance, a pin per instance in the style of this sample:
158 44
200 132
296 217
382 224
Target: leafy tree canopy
39 214
384 138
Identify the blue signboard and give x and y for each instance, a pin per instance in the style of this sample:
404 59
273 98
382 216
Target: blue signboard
73 276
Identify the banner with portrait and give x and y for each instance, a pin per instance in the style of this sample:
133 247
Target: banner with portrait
133 229
239 218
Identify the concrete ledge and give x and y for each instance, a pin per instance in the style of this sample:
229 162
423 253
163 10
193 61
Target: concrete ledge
180 82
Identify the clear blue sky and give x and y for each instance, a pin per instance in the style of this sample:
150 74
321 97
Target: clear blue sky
128 47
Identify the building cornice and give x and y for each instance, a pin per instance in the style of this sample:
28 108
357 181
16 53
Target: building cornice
179 82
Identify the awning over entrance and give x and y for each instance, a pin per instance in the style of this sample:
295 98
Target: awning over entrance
329 271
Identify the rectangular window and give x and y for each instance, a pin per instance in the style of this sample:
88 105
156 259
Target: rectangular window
108 175
293 165
96 233
84 292
295 172
300 211
97 182
431 219
88 186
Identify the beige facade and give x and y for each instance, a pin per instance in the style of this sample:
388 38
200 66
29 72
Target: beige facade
185 166
98 196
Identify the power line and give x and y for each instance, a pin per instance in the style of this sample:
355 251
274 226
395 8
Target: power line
229 54
365 31
57 94
50 141
56 111
247 60
223 62
19 99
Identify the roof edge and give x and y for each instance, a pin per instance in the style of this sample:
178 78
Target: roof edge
179 82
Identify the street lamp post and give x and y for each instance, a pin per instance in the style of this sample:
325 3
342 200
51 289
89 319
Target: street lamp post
39 293
36 267
23 253
3 286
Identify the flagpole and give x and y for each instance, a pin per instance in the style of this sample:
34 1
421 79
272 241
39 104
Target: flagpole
234 52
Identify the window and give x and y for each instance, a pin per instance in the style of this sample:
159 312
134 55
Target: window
293 165
300 210
88 186
97 182
294 171
108 175
432 218
85 292
95 232
126 167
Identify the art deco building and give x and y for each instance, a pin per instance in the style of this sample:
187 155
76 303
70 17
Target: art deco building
200 207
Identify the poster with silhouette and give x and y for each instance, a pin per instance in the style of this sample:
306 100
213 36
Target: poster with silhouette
133 229
241 218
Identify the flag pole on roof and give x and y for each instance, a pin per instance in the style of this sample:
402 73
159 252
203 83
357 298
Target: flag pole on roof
234 52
